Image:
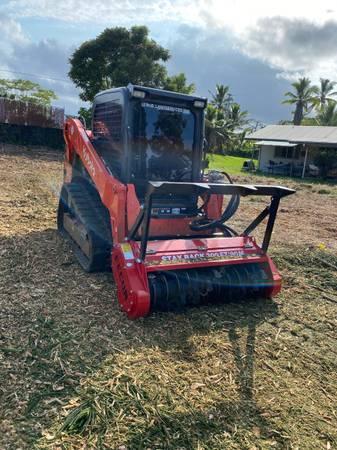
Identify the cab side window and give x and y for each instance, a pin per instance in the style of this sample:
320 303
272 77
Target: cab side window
107 130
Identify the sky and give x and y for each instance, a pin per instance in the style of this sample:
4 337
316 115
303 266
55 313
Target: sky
256 47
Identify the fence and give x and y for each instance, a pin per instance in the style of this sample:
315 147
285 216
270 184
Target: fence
26 123
27 135
16 112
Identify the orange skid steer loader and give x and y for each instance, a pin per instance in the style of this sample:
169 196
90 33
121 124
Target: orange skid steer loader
136 200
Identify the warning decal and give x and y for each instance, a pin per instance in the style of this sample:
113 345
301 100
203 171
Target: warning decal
201 257
127 251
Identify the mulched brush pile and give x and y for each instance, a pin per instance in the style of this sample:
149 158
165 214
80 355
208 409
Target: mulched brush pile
76 374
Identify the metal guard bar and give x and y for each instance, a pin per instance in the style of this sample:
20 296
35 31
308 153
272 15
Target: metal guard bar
171 187
174 188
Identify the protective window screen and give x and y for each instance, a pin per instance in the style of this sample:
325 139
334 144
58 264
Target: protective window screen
108 121
162 142
107 129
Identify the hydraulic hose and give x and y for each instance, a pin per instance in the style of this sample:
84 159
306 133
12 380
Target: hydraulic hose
230 210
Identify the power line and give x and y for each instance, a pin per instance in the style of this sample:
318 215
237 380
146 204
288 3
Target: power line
36 76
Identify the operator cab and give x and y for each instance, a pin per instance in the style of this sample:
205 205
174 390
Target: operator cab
145 134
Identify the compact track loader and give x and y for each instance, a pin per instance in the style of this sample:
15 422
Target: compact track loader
135 199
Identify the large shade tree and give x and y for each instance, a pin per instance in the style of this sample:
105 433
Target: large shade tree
119 56
303 97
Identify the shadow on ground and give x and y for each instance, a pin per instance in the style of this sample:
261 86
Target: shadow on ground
235 324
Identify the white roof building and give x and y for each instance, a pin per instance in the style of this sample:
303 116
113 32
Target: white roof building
297 134
286 149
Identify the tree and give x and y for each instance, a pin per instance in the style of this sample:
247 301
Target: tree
325 159
119 56
325 92
222 98
303 98
215 131
27 91
327 116
178 83
86 114
237 118
225 128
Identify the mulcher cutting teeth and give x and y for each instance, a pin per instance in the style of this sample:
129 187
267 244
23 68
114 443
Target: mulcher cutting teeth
173 290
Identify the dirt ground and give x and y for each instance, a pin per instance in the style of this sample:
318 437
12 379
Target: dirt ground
76 374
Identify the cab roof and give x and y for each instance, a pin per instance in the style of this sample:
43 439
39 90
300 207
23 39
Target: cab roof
154 92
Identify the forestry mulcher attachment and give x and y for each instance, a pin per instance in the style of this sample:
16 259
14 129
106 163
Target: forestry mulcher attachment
135 199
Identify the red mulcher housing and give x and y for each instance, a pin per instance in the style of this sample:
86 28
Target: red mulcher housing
135 199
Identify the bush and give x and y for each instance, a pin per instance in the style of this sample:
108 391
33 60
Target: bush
326 160
248 153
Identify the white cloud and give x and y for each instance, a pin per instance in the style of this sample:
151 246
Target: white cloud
211 59
294 46
11 34
108 11
38 61
235 14
242 14
260 28
292 38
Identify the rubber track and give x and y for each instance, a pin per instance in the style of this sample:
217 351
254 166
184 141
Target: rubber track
84 203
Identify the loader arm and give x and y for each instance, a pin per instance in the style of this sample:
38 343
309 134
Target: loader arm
111 191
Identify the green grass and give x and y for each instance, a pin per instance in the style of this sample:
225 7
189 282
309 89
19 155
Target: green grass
233 164
230 164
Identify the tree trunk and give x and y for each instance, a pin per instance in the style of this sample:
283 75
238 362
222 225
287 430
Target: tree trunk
298 116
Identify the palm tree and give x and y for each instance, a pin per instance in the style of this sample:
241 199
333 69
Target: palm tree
236 118
224 129
214 125
222 98
327 116
325 93
303 98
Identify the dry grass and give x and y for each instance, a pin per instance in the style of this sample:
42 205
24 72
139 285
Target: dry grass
76 374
